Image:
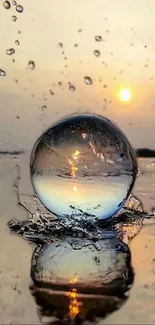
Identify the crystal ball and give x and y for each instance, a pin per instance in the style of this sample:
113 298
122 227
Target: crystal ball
83 164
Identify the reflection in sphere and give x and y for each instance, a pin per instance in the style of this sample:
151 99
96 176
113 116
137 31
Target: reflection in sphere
99 273
83 164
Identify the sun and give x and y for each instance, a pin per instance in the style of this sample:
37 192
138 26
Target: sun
125 95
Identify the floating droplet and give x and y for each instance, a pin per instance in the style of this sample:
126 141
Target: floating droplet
14 3
6 4
98 38
14 18
31 65
2 73
10 51
72 87
19 8
83 165
88 80
17 42
51 92
43 107
19 31
97 53
60 44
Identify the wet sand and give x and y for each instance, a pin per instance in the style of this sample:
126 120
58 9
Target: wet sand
16 304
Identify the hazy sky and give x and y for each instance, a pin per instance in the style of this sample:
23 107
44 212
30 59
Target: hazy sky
127 59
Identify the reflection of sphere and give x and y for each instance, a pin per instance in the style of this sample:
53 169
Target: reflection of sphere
94 270
83 164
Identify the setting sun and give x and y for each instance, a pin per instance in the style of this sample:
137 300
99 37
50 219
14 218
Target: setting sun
125 95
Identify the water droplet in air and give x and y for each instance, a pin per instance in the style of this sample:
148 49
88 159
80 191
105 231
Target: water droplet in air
2 73
19 8
72 87
88 80
98 38
14 18
60 44
19 31
51 92
31 65
76 167
17 42
97 53
10 51
14 3
6 4
43 107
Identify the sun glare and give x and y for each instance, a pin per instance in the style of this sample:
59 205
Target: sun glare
125 95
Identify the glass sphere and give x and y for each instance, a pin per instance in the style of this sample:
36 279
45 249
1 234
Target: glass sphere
83 164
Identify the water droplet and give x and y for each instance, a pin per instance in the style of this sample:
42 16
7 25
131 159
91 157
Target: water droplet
60 83
72 87
14 3
2 73
17 42
98 38
76 167
51 92
31 65
60 44
19 31
88 80
19 8
105 86
6 4
14 18
79 30
10 51
43 107
97 53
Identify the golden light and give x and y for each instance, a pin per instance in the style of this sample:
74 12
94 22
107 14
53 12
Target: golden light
75 188
125 94
75 154
73 163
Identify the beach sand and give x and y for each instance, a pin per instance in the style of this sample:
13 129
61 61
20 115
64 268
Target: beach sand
16 304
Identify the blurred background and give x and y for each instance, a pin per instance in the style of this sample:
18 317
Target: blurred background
61 57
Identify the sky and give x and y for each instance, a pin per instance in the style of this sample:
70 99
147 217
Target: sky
126 59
